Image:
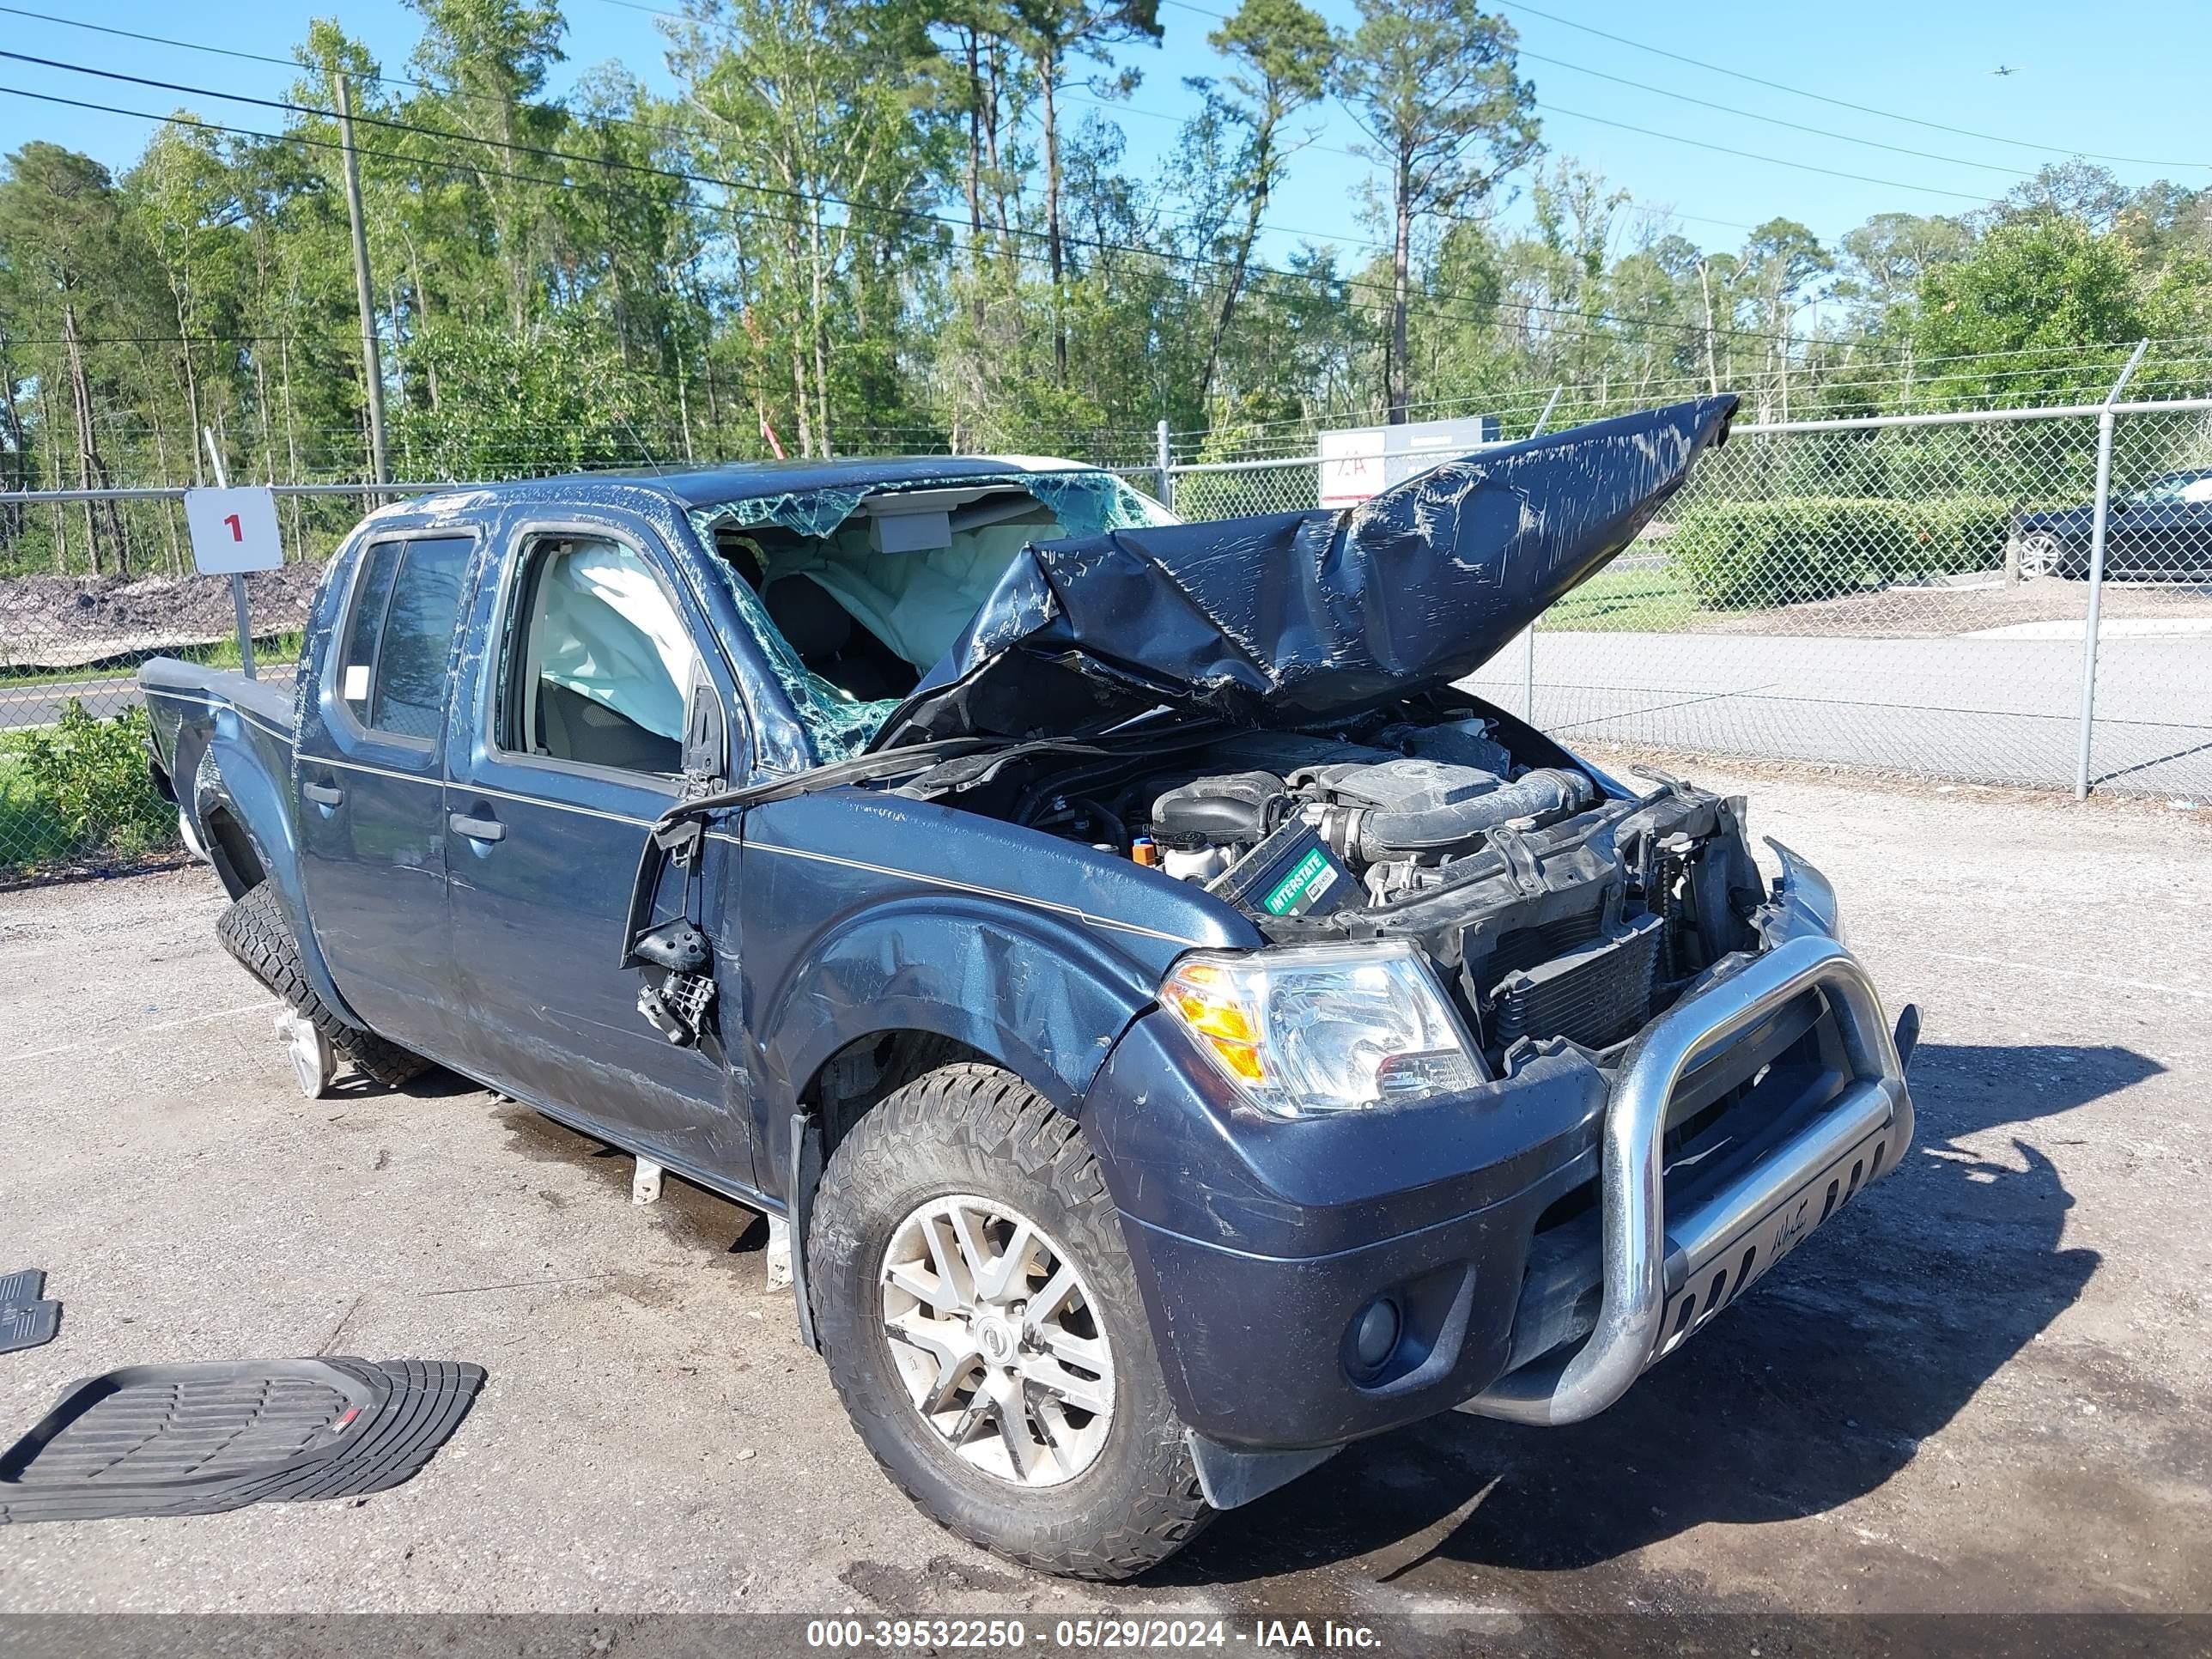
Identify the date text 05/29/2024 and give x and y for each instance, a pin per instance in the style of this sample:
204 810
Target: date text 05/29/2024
1103 1634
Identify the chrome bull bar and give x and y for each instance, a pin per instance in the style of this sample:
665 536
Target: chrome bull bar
1634 1229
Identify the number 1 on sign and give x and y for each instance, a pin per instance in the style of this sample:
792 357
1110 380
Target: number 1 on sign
237 530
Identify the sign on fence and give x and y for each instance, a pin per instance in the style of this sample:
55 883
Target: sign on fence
1357 461
234 529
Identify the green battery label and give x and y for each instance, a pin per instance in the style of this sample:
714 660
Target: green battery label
1309 877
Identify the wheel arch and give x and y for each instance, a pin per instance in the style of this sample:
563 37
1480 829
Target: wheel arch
870 999
241 814
1043 998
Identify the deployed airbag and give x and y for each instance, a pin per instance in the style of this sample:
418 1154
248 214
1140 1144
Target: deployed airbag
1292 618
609 632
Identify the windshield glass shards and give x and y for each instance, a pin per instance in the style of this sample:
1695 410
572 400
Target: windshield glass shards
855 590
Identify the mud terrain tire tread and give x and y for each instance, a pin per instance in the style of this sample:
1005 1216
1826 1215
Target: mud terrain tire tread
254 930
970 1126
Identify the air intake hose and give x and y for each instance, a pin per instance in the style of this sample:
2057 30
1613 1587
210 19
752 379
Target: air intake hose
1439 829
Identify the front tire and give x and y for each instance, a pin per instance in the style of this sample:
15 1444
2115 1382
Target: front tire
981 1322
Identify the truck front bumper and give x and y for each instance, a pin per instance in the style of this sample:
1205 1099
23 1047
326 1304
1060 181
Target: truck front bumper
1538 1242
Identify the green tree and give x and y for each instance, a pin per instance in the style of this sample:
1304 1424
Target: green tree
73 256
1432 84
1055 34
1985 323
1884 260
833 118
1283 54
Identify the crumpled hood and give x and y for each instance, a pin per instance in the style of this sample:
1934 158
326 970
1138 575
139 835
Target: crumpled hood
1290 617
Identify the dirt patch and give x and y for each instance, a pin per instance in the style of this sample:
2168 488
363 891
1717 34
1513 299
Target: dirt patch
1942 612
64 622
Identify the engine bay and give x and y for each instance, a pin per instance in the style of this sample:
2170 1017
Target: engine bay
1550 909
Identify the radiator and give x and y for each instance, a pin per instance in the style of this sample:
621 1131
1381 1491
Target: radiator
1596 995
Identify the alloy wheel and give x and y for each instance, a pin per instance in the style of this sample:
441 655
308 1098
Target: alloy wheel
2040 553
998 1340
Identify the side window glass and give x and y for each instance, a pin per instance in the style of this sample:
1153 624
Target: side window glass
400 638
604 661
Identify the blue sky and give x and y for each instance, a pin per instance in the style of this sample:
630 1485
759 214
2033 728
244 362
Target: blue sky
2133 88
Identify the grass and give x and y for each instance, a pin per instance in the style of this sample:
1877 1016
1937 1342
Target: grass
32 832
224 653
1627 601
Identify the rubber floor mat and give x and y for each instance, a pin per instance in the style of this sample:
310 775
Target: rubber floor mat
156 1440
27 1324
26 1319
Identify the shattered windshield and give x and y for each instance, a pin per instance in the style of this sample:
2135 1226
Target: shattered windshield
854 591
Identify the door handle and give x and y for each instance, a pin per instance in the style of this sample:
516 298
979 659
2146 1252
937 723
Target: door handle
323 794
478 829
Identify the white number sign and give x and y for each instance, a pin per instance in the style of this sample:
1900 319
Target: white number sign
232 530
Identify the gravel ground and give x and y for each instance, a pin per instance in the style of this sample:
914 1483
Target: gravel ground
1944 612
68 621
1987 1386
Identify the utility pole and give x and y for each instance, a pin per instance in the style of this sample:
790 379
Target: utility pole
372 365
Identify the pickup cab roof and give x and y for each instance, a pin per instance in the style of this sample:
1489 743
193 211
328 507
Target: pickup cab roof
1099 607
722 482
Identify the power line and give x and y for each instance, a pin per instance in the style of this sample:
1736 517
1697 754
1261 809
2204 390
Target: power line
1753 156
1773 121
298 68
1822 97
1707 103
665 129
686 176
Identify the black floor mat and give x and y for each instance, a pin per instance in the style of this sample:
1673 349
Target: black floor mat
155 1440
26 1320
27 1324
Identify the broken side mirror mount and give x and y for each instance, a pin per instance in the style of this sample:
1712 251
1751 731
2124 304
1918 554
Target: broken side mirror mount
705 736
677 946
676 1007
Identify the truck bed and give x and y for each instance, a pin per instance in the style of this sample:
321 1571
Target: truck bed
189 682
191 709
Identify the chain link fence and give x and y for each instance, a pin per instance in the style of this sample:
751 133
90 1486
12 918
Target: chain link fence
1910 594
1917 594
73 794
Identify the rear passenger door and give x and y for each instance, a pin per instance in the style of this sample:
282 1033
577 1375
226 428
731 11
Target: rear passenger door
573 743
368 776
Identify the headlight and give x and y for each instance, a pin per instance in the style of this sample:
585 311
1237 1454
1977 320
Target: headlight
1323 1028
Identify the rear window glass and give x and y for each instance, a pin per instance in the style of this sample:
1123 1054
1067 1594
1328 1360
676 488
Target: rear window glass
401 636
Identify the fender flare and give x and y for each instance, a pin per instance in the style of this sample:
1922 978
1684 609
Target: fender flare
1046 999
1043 998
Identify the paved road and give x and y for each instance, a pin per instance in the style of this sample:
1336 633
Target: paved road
1987 1386
41 702
1996 710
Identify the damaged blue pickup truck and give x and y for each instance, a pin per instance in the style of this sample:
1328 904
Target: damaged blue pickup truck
1181 1032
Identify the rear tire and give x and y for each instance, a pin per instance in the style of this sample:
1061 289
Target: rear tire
1110 1498
254 930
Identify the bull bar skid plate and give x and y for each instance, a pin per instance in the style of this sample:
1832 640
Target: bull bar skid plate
1653 1272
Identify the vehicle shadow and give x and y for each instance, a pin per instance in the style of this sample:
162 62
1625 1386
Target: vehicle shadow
1812 1391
